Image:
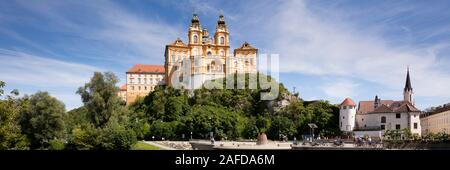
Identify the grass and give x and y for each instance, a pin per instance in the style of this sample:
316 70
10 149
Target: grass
144 146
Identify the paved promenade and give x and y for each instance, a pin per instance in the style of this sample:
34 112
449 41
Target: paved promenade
159 145
249 145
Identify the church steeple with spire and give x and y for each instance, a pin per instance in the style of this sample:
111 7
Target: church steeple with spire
408 91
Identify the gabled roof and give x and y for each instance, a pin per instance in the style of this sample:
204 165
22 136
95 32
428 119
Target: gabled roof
396 104
393 107
407 107
178 42
246 46
368 106
144 68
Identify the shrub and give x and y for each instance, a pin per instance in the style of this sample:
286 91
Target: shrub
56 144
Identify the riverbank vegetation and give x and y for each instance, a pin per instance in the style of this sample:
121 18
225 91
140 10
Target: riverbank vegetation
104 122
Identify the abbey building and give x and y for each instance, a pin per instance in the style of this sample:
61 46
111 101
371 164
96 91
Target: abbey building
203 57
206 56
376 116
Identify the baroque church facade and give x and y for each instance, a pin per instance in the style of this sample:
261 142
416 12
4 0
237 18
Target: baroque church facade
374 117
205 56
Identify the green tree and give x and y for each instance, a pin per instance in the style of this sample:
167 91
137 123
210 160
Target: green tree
139 121
223 122
77 117
85 138
2 85
100 98
299 115
326 116
281 125
251 130
166 104
108 124
117 137
42 119
230 113
10 130
56 144
166 130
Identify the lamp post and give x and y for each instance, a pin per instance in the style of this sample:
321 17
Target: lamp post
191 135
211 134
279 135
312 126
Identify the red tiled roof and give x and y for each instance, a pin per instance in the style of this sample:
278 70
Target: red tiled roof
368 106
407 107
387 106
382 109
123 87
348 102
143 68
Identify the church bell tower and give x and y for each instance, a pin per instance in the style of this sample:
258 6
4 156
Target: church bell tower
408 91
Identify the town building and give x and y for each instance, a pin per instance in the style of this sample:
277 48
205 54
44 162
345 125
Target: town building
376 116
437 121
123 92
141 80
206 57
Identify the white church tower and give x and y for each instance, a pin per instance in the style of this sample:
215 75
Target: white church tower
347 115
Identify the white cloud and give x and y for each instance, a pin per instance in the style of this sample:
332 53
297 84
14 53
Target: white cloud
26 69
60 78
340 89
145 35
13 34
133 37
81 26
311 44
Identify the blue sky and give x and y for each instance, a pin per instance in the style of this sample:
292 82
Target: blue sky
328 49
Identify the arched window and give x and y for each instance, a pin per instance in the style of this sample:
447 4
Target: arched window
383 119
222 40
195 39
222 53
209 53
213 66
